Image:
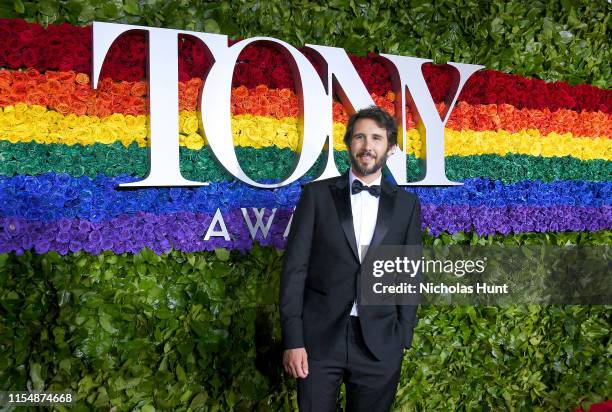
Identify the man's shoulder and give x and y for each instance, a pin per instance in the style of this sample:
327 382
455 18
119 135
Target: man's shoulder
407 195
324 183
402 194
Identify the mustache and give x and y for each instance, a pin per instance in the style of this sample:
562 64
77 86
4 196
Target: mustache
366 153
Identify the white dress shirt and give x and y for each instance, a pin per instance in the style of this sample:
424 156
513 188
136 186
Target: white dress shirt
365 211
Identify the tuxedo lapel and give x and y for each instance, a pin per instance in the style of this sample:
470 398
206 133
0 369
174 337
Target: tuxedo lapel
385 212
342 201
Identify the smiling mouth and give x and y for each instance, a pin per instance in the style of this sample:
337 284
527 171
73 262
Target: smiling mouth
366 157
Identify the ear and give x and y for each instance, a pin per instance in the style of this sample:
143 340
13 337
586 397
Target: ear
391 149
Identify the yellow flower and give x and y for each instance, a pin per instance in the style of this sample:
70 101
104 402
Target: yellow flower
21 107
23 123
194 141
188 122
36 110
72 120
70 138
135 122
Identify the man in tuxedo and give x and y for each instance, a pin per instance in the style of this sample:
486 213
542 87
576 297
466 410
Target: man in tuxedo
329 338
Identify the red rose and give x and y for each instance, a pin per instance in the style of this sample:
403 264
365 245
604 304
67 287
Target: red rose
82 58
280 78
134 74
14 60
199 56
25 36
249 53
66 62
561 96
240 75
29 57
601 407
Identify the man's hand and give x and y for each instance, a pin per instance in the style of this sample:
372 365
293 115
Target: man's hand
295 362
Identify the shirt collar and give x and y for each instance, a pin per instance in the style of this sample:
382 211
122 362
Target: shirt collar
352 177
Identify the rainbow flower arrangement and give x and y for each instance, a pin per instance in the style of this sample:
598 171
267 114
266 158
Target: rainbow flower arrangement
533 156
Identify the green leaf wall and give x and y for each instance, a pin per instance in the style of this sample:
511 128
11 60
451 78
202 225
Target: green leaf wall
181 330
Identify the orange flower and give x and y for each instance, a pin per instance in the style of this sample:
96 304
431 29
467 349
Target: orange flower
62 107
105 84
123 88
53 86
5 86
135 108
195 82
82 92
37 98
32 73
190 104
284 111
20 76
52 100
52 75
275 110
92 110
138 89
82 78
6 76
241 91
262 88
104 111
274 100
263 101
19 89
285 94
67 76
78 107
192 92
117 105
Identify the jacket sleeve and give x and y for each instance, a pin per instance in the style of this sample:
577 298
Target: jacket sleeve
295 269
407 314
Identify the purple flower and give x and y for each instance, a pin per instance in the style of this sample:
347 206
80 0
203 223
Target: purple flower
75 245
124 234
62 248
26 240
84 226
12 226
94 237
63 237
106 244
64 225
42 246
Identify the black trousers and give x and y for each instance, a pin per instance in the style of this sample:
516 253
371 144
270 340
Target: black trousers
370 384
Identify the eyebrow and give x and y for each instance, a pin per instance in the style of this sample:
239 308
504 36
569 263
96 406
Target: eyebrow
363 134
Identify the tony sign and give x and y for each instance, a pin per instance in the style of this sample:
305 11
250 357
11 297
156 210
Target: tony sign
315 101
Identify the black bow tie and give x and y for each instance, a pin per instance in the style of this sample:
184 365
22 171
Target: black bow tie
357 187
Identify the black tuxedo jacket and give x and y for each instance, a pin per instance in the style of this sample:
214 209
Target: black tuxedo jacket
319 279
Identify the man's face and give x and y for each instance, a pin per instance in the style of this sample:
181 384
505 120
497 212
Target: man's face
369 147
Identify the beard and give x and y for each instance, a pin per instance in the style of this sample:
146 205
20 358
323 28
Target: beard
364 170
